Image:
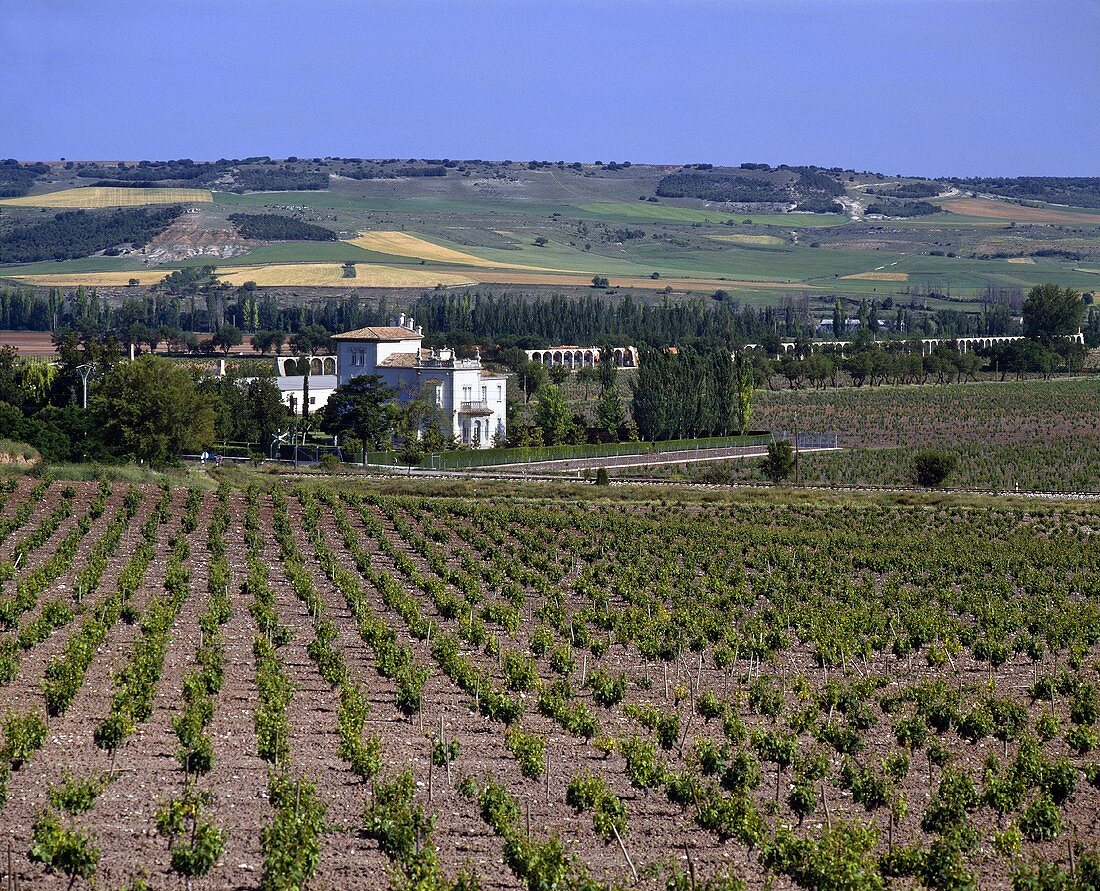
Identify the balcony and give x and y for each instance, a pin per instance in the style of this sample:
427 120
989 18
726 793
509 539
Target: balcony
481 407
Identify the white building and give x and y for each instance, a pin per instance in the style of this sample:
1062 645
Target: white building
575 357
323 381
460 389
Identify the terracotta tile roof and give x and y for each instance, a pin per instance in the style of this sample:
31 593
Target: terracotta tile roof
399 360
380 332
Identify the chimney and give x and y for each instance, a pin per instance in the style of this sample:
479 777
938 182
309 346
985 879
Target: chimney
409 323
419 329
401 321
221 368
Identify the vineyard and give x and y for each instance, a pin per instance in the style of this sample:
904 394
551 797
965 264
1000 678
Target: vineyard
340 688
1040 435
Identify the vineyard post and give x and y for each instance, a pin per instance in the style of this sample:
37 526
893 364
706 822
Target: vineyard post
622 848
431 765
547 774
691 866
825 804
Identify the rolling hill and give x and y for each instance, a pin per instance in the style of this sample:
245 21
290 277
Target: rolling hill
753 230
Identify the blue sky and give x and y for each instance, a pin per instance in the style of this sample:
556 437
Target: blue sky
987 87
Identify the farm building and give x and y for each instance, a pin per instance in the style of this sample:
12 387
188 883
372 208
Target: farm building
460 389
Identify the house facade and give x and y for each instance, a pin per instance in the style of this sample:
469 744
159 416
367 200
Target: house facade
469 399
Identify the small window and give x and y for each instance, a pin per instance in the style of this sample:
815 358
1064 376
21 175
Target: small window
312 400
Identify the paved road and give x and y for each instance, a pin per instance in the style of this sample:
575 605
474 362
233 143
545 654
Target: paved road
612 461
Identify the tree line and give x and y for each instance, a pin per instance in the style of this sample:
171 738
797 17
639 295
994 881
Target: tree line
192 300
78 233
276 227
1080 191
903 208
920 189
692 393
16 179
151 409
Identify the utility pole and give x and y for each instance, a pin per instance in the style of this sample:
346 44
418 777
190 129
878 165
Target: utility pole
797 463
85 371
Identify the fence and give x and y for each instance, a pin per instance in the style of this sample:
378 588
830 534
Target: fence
709 447
465 459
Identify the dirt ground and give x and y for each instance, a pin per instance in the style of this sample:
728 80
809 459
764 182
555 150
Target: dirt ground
146 771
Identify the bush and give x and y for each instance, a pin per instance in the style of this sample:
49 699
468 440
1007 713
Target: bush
932 467
1041 820
602 478
779 463
529 750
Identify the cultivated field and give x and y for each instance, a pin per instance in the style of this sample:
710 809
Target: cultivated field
91 279
101 196
879 276
402 244
1005 210
368 689
765 240
367 275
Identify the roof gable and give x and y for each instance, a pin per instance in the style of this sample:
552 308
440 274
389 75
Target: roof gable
379 333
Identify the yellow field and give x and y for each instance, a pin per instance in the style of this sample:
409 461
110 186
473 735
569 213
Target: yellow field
1028 260
402 244
879 276
99 196
92 279
749 239
330 275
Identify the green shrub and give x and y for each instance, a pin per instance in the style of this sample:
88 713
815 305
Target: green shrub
58 848
932 467
1041 820
528 748
23 736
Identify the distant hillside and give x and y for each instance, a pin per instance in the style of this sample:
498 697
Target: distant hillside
1077 191
919 189
809 188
